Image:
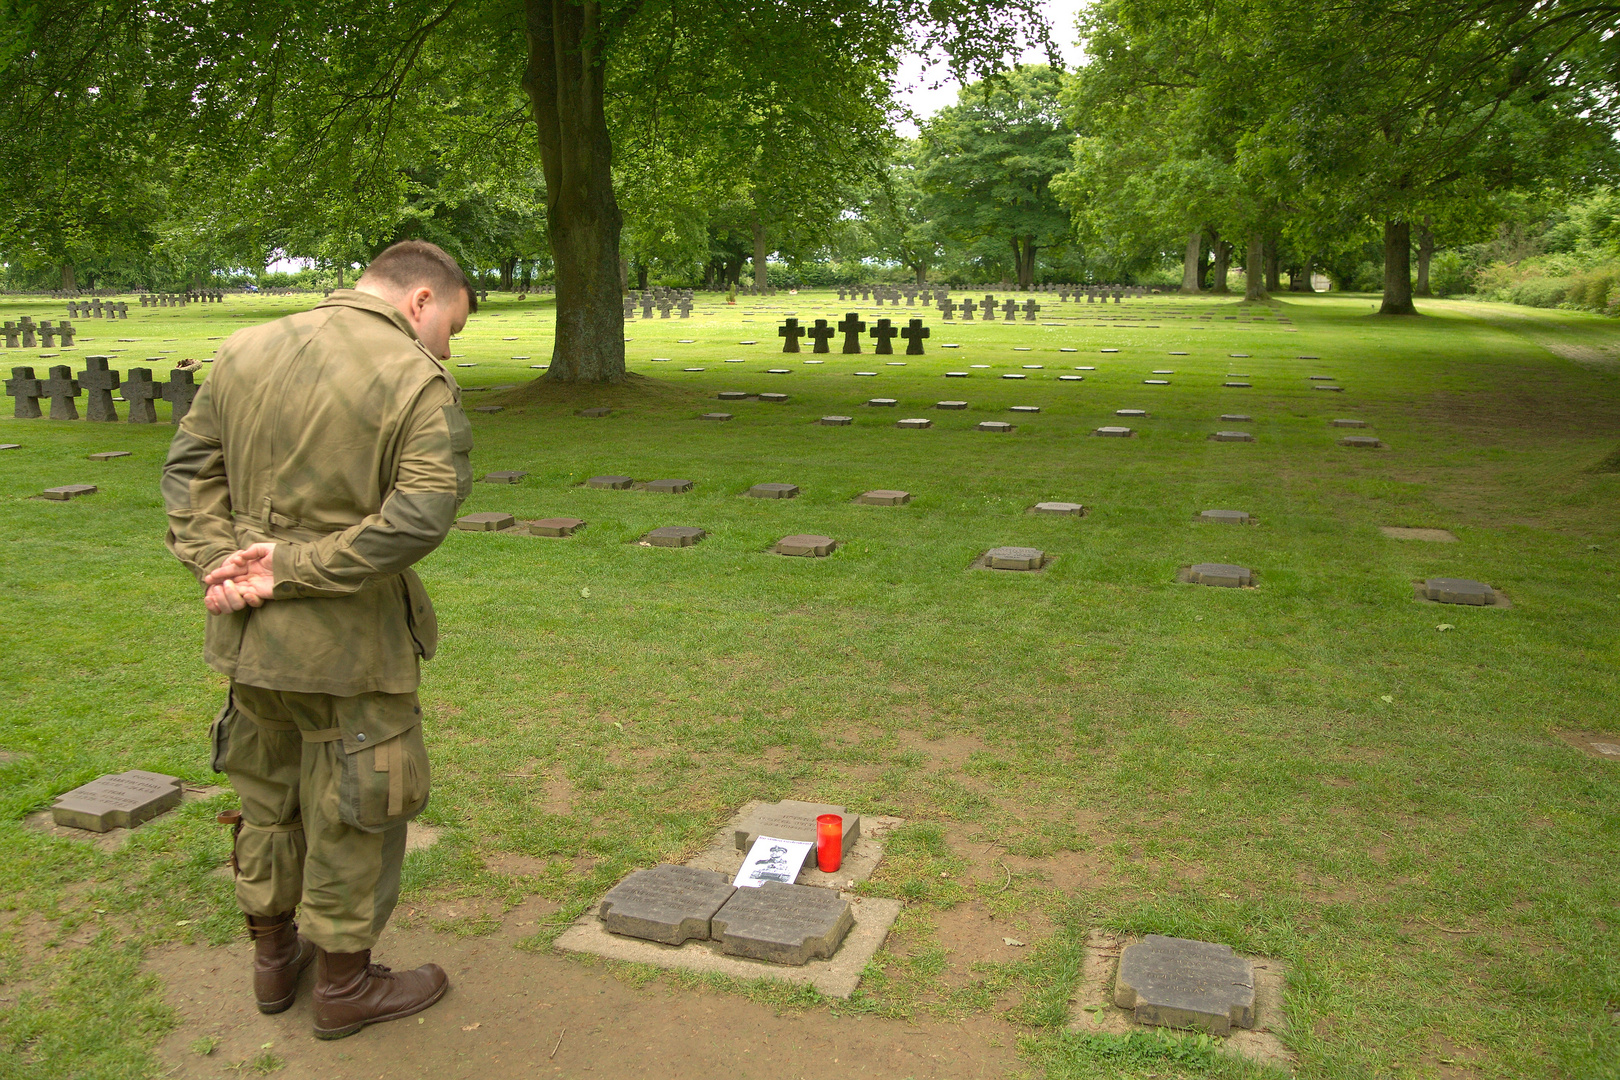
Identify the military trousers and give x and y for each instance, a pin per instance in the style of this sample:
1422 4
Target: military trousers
328 785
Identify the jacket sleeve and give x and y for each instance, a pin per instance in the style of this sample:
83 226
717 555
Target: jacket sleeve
434 476
196 494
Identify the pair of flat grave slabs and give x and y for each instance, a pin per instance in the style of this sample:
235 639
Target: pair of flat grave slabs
779 922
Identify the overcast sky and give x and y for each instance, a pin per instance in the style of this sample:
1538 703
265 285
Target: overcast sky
915 80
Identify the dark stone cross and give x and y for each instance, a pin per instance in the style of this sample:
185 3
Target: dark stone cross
67 332
1030 308
629 307
95 307
790 331
968 308
11 330
646 306
841 293
664 307
1009 310
62 388
99 382
27 329
685 308
885 332
121 309
140 391
947 308
179 392
820 333
27 390
914 333
852 328
47 334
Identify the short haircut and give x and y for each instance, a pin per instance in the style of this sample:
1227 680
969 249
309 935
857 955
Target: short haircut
416 262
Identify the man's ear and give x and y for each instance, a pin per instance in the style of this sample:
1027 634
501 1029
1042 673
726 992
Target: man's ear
421 298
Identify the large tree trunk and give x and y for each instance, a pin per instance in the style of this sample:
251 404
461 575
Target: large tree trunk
1425 253
1273 270
564 81
508 273
761 273
70 283
922 273
1223 265
1397 269
1190 263
1024 260
1254 269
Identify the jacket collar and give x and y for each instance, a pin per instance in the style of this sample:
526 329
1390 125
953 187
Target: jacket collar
354 298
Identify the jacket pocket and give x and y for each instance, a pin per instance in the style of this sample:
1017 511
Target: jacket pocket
424 623
385 785
461 442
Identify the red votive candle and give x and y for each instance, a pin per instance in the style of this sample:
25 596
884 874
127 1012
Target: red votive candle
829 842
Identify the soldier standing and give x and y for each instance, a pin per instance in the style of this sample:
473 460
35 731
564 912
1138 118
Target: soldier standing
325 454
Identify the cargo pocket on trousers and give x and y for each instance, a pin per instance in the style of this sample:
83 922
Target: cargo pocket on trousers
385 785
219 734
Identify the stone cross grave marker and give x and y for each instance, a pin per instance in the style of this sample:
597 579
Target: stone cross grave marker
99 382
180 391
915 333
968 308
646 305
67 331
820 333
27 391
1030 308
783 923
790 331
629 308
62 388
12 333
852 328
685 308
118 801
667 903
1180 983
27 328
140 391
947 309
884 332
47 334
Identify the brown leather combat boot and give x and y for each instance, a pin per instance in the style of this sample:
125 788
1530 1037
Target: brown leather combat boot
279 957
351 992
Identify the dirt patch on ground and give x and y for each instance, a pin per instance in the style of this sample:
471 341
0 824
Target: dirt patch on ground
1433 536
631 391
1594 743
511 1013
943 752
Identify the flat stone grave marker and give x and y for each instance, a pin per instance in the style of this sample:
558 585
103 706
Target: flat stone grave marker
1348 423
1024 408
914 422
1071 378
1108 350
1238 385
1014 558
978 366
1320 378
667 903
1443 590
118 801
674 536
1229 517
68 491
609 483
1364 442
1236 418
1181 983
1176 354
691 369
1059 509
1220 575
783 923
774 491
557 526
778 371
718 416
669 487
956 374
1157 382
894 363
1112 432
883 497
1239 355
1068 350
1231 436
733 395
808 545
792 819
995 425
10 446
1433 536
489 408
1034 367
950 405
1085 367
511 477
493 521
883 402
866 374
1162 371
1330 389
108 455
599 410
1014 375
836 421
774 399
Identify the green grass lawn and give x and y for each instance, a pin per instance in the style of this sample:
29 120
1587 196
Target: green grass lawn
1320 769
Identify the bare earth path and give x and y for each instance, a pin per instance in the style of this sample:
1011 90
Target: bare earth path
507 1009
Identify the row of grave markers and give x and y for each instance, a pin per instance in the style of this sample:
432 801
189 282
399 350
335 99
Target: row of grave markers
27 334
98 382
